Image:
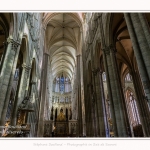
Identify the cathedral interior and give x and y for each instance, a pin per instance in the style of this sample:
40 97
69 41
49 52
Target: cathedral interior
74 74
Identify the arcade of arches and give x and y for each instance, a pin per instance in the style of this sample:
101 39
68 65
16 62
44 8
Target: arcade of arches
74 74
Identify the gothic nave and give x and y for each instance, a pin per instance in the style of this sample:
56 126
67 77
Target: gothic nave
74 74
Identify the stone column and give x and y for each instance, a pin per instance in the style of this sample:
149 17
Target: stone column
42 96
91 121
112 110
23 88
96 107
82 97
141 49
145 26
141 104
119 88
80 124
99 103
85 99
117 98
86 111
91 109
3 55
107 65
7 76
141 38
89 117
103 104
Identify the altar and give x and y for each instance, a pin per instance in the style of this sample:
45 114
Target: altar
60 127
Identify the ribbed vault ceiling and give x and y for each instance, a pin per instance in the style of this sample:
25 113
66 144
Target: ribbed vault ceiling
62 35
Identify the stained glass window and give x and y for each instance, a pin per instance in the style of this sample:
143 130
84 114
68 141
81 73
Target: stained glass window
62 87
128 77
62 84
132 108
104 76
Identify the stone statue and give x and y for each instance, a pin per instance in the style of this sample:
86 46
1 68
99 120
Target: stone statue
61 116
70 117
21 117
111 127
26 105
52 113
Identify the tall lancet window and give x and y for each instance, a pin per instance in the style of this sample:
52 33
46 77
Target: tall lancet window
132 109
62 86
57 85
104 76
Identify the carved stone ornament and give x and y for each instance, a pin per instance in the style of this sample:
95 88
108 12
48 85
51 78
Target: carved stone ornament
21 117
31 21
106 50
111 127
112 48
14 44
95 71
26 105
33 29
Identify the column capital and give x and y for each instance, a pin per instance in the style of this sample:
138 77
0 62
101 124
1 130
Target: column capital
45 53
26 66
14 44
5 43
106 50
100 71
44 27
95 71
78 55
99 40
11 40
112 48
33 82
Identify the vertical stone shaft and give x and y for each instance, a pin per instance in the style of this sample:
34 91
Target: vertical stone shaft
103 46
119 92
92 112
142 40
145 26
113 116
80 126
7 76
144 104
43 96
91 122
117 99
143 112
99 103
95 106
87 113
138 52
